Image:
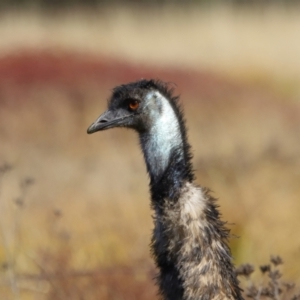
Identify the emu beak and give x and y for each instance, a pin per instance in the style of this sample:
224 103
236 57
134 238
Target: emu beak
108 119
105 121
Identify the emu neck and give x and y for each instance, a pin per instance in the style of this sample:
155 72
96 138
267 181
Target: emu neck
190 249
189 241
161 141
165 151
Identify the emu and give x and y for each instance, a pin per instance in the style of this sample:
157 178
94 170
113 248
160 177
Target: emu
190 241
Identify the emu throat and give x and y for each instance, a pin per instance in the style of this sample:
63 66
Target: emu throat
162 138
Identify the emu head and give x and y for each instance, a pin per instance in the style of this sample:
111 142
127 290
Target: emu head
148 107
138 105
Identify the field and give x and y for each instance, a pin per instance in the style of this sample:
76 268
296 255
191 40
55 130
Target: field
75 219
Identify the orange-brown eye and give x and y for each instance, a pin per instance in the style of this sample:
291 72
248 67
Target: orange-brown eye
133 104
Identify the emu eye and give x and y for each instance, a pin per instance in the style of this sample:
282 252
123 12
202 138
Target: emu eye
133 104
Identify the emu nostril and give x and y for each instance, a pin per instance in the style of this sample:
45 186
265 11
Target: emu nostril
103 121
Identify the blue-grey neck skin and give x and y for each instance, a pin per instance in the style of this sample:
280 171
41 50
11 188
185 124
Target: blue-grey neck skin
163 138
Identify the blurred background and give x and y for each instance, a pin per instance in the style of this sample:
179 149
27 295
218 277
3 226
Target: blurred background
75 219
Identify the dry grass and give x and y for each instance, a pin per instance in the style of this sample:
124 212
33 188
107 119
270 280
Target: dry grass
86 220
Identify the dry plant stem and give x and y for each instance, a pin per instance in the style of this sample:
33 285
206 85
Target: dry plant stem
18 209
273 288
43 270
9 257
10 268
